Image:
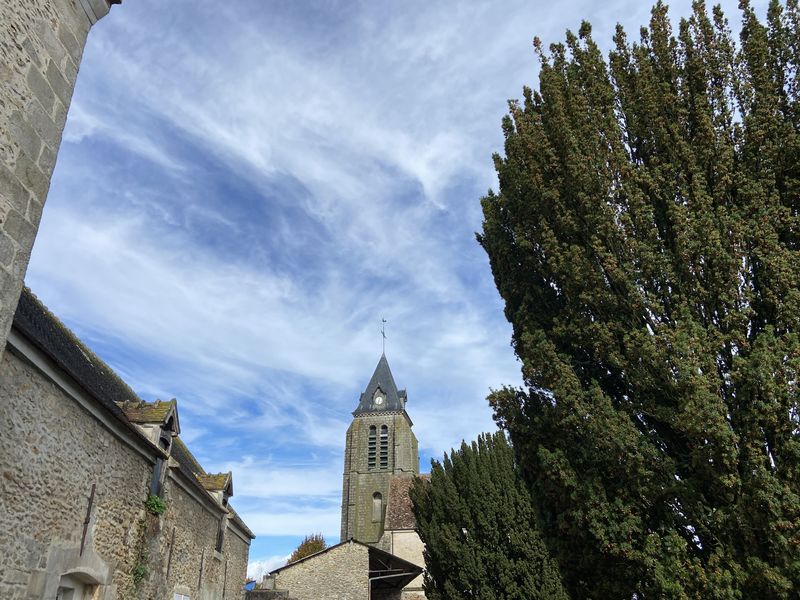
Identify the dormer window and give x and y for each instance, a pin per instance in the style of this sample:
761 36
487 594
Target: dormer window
219 485
157 421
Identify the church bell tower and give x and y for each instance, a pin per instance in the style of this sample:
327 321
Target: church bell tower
379 445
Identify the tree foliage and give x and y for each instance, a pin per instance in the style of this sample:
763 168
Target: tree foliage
645 241
311 544
477 522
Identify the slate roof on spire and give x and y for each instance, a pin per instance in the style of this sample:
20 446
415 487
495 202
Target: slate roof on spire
382 378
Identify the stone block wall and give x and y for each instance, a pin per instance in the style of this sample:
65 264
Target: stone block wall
192 562
360 482
55 444
407 545
341 573
188 562
41 43
237 552
266 595
390 594
51 452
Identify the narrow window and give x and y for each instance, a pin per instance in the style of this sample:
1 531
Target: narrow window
384 447
157 480
221 533
377 506
371 448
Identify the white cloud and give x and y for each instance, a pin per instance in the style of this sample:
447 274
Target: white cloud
289 519
258 567
273 478
243 194
84 124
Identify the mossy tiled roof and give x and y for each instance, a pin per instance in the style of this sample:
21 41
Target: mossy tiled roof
189 464
148 412
399 512
215 482
46 332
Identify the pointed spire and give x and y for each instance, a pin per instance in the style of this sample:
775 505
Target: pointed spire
381 393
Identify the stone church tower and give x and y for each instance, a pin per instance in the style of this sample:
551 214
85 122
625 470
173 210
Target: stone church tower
379 446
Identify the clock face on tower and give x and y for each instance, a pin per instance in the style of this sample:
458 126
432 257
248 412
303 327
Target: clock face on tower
378 400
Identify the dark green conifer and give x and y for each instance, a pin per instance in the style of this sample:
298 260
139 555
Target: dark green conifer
645 242
478 525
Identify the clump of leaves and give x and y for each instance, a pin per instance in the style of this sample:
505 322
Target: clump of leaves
311 544
155 505
139 571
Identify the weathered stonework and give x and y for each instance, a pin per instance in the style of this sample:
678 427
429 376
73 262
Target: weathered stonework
51 453
360 482
407 545
376 508
74 477
345 571
41 43
339 574
189 556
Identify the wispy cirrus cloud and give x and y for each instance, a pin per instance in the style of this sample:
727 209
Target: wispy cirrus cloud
245 189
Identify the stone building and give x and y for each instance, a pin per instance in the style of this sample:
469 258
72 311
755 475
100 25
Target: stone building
99 497
380 551
41 44
379 446
381 459
349 570
80 454
400 535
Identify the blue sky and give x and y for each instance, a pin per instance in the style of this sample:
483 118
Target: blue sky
246 188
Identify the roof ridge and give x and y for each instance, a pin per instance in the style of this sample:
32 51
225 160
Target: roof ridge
87 352
192 458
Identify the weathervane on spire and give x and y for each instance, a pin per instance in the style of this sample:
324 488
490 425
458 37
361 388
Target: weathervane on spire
383 333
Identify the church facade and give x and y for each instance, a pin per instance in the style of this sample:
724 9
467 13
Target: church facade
381 459
380 554
380 445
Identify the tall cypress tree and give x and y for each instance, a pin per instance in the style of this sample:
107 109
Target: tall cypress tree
477 522
645 242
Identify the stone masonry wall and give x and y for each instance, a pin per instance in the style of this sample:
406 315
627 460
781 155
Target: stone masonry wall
407 545
51 452
193 548
237 553
390 594
41 43
360 482
339 574
195 536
